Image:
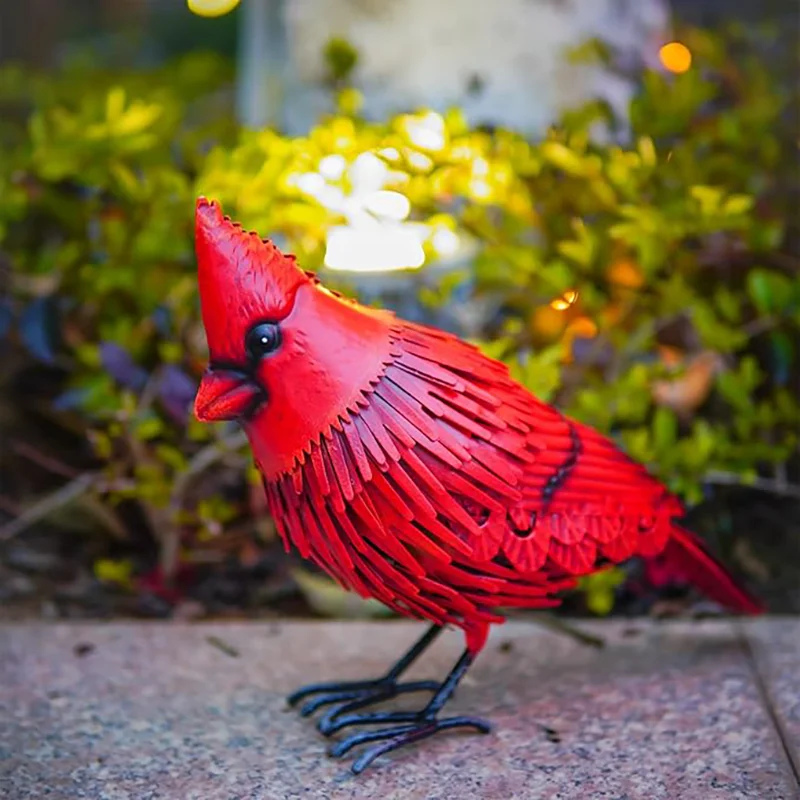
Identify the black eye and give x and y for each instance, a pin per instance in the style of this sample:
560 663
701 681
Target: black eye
262 339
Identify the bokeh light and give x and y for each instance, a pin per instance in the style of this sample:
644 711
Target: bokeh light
675 57
565 301
211 8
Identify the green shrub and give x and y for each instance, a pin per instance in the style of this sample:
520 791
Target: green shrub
649 289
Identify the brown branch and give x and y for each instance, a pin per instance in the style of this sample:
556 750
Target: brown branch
776 487
43 460
201 461
9 506
104 514
48 504
758 326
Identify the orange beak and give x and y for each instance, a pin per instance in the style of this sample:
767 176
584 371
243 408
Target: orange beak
225 394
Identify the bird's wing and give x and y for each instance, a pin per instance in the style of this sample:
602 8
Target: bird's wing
548 494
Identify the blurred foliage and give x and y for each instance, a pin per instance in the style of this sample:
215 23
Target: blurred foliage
649 288
340 58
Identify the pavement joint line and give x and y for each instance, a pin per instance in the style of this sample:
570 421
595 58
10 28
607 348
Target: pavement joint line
767 701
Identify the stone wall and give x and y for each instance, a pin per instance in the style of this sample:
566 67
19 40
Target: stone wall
502 61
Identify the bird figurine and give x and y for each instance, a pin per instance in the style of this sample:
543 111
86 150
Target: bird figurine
413 469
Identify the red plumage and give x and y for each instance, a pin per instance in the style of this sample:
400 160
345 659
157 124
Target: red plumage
410 466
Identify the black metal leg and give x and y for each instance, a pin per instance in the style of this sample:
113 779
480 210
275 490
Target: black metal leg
401 727
370 691
416 726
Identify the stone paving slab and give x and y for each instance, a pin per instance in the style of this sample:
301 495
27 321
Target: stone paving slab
159 712
775 645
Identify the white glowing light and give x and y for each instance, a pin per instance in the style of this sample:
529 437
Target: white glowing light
426 131
367 173
394 177
480 167
390 153
334 198
332 167
462 152
374 248
311 183
445 242
388 204
314 185
419 161
480 189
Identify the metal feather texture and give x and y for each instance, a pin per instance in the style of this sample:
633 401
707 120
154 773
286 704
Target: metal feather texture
450 492
411 467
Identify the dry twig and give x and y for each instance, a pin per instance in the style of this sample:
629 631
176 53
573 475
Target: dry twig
48 504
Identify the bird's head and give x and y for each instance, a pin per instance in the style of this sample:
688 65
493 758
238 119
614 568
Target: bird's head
287 358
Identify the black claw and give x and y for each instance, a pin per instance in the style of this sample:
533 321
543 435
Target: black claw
332 723
401 738
326 689
341 748
353 696
361 701
326 699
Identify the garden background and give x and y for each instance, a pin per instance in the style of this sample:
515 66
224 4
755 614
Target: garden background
635 262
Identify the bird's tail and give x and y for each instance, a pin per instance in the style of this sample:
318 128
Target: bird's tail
687 554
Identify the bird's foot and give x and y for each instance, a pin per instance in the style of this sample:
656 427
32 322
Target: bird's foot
352 695
413 727
399 727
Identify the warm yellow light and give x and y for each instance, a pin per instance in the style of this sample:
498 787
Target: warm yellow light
583 328
626 273
565 301
675 57
211 8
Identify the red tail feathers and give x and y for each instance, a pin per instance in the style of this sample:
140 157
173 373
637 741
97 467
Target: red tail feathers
688 555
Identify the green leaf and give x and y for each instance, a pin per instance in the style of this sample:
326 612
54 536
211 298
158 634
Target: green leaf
647 151
737 204
113 571
770 291
599 590
562 157
149 428
709 198
665 429
701 444
115 103
783 351
759 287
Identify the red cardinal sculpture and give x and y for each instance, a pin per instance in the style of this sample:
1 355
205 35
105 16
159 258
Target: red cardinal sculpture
414 470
